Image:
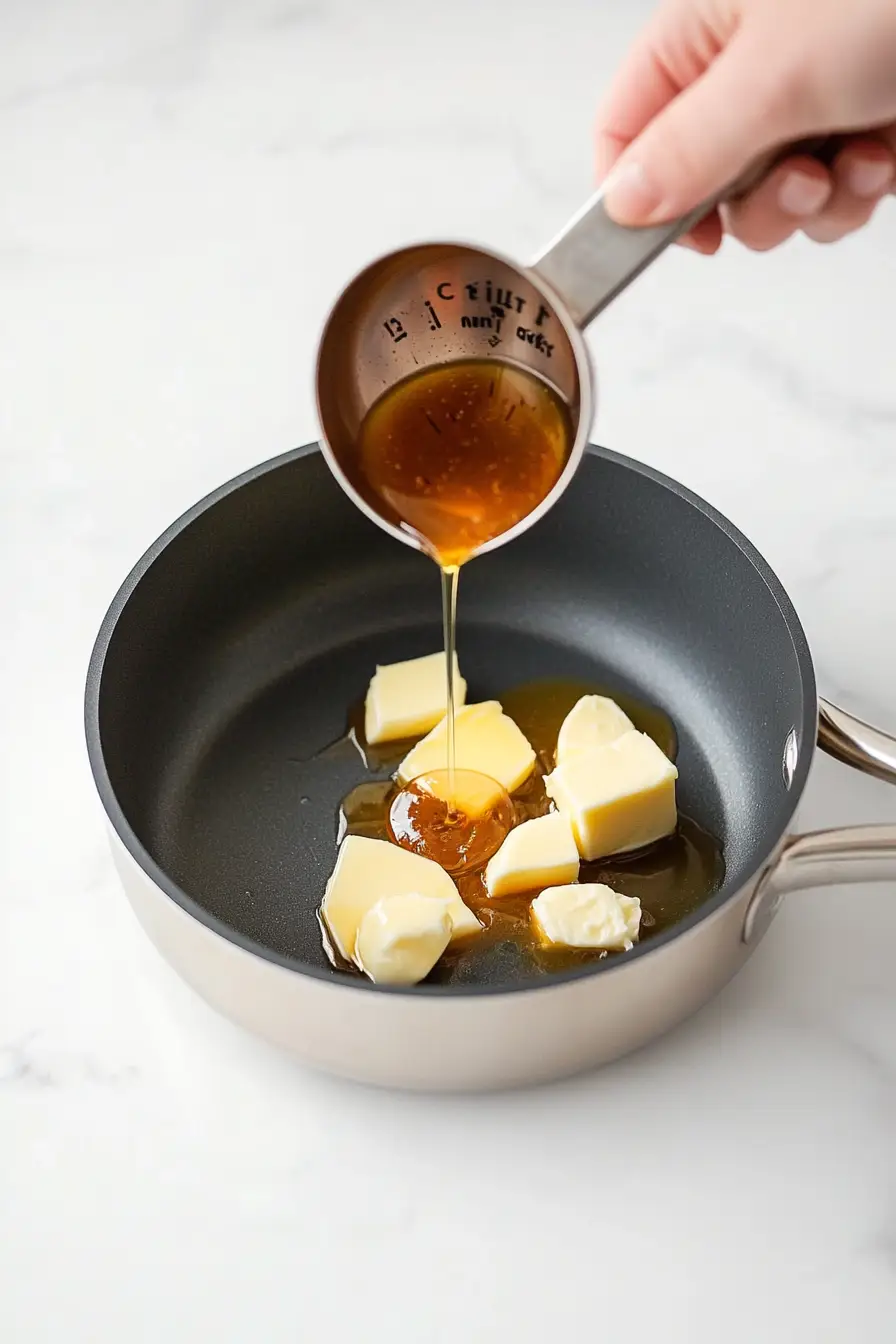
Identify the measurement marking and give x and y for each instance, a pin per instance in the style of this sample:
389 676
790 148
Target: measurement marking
395 329
491 388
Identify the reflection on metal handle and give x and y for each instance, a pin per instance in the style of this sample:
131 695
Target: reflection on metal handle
821 859
855 743
828 858
593 259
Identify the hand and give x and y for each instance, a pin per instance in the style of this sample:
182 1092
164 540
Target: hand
712 85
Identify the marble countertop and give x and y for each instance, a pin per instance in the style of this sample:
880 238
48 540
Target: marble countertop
184 187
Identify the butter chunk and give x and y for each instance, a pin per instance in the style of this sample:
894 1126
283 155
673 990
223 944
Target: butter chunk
401 938
593 721
586 915
617 797
368 871
537 853
485 740
407 699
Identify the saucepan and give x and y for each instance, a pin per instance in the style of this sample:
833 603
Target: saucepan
221 678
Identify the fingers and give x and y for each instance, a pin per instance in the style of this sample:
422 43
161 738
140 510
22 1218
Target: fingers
663 61
705 237
699 99
787 200
802 195
738 98
696 146
864 172
643 86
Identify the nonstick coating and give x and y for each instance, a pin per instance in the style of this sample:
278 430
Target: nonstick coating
231 654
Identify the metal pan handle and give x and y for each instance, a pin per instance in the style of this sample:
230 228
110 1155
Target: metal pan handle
593 258
855 743
847 854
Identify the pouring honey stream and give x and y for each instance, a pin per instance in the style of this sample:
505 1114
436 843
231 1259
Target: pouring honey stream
457 455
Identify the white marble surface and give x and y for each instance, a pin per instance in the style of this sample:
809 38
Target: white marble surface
183 187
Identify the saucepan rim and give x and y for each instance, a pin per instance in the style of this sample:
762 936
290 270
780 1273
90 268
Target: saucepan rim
93 696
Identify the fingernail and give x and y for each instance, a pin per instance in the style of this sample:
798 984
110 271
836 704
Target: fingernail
800 194
869 177
631 197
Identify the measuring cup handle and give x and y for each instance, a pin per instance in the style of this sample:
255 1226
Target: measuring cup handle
593 258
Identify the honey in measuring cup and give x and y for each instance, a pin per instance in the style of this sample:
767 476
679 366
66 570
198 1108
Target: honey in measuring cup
461 452
458 455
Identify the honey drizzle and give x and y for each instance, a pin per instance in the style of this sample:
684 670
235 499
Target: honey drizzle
458 454
450 576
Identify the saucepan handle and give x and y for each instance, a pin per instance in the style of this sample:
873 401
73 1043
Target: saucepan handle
593 258
847 854
855 743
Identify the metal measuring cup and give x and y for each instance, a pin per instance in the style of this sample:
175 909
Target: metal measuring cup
436 303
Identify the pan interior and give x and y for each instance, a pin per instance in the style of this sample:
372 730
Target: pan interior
232 654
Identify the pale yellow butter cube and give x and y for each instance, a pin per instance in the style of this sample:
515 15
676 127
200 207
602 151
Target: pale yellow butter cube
586 915
401 938
367 871
485 740
407 699
537 853
593 721
617 797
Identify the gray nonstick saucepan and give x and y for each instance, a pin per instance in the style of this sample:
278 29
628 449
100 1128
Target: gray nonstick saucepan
225 667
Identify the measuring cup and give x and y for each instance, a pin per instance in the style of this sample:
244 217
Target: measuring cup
436 303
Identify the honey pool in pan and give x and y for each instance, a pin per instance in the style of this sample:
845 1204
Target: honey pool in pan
671 878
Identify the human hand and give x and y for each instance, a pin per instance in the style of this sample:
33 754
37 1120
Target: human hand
712 85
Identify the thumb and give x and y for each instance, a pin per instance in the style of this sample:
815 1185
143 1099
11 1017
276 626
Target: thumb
703 140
